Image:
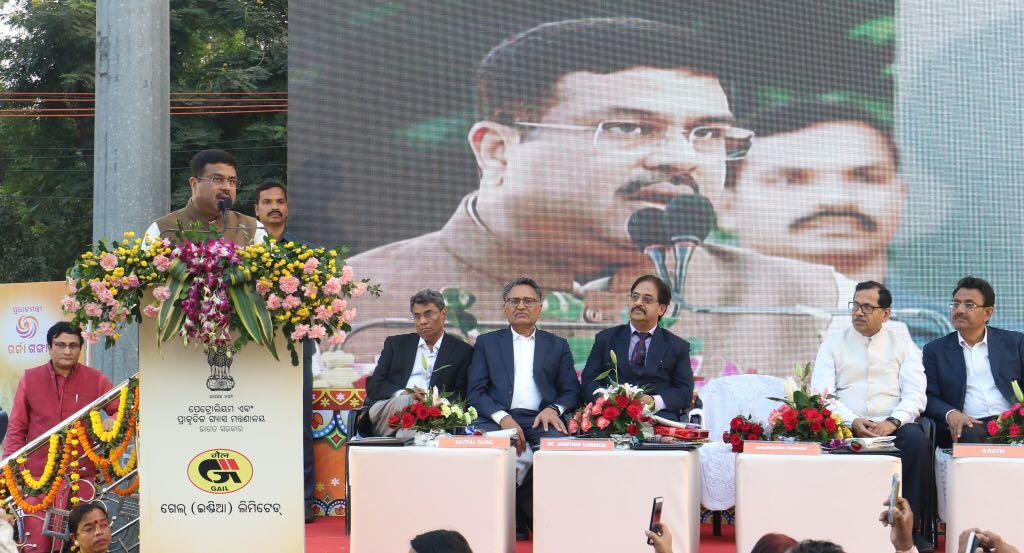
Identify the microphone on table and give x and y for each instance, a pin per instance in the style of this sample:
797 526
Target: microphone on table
646 228
688 221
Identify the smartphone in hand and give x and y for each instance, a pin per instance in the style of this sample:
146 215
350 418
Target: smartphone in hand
655 517
894 493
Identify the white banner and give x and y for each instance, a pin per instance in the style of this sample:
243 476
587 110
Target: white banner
221 452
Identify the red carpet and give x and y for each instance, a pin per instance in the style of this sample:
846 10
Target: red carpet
327 535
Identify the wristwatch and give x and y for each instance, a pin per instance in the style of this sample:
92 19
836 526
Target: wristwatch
895 421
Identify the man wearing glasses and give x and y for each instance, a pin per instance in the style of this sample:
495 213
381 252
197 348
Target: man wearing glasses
47 395
648 356
580 124
875 380
411 364
971 371
214 179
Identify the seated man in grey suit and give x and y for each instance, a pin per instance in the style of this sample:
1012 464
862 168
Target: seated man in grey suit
648 356
970 371
410 364
523 379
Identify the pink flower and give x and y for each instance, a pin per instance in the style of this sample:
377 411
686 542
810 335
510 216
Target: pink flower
289 284
162 293
108 261
1014 430
359 290
93 309
132 281
98 287
332 286
316 332
348 315
151 311
262 287
310 266
585 425
72 284
291 302
596 409
300 332
338 305
118 315
337 338
309 290
71 304
273 302
90 336
574 426
603 423
106 328
323 313
1022 411
346 274
162 263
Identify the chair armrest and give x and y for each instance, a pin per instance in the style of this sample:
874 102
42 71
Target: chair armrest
696 416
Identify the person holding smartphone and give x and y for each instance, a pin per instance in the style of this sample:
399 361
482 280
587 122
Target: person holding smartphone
659 536
984 541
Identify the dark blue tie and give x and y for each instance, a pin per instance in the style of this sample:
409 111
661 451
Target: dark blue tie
639 356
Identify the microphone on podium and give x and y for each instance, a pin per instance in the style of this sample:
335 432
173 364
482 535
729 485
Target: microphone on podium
646 228
688 221
223 206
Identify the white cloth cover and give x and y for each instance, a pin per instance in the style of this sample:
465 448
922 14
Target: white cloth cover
983 493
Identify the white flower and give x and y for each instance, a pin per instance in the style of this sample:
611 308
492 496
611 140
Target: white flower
790 386
604 392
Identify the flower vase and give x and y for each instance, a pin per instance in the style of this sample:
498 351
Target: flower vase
428 438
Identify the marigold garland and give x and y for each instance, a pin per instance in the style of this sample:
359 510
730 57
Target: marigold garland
97 422
129 490
51 494
51 463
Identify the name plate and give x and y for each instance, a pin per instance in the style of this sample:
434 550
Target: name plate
781 448
473 442
570 444
998 451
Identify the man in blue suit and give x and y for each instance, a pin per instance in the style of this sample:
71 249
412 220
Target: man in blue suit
970 371
648 356
523 379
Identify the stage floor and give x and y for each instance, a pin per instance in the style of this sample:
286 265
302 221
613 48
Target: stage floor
327 535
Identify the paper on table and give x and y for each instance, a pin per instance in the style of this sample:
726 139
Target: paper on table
882 443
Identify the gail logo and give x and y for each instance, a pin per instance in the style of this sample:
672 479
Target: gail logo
26 326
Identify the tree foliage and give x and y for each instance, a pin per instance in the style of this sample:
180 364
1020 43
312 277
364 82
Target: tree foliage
46 163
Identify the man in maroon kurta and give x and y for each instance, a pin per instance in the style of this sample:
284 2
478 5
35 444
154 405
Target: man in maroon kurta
47 395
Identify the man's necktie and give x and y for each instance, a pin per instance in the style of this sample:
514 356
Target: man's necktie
640 351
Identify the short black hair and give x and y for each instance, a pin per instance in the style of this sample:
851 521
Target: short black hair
440 541
267 186
979 284
884 296
79 512
516 80
520 281
426 296
816 546
63 327
664 292
207 157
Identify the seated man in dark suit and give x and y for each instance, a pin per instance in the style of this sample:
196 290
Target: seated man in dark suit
970 371
523 379
411 364
647 355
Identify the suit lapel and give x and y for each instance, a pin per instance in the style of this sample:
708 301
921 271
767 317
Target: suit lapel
407 356
508 357
995 363
955 355
442 358
539 349
656 351
621 347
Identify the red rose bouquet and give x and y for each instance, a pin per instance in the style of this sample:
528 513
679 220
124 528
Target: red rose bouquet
742 428
1008 428
434 414
618 410
804 415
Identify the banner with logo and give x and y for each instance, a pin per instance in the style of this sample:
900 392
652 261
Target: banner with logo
221 454
27 311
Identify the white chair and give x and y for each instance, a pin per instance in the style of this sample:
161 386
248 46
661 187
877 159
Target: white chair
722 399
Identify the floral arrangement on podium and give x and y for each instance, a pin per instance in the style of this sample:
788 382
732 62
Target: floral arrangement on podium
618 412
804 416
743 428
213 293
433 416
1008 427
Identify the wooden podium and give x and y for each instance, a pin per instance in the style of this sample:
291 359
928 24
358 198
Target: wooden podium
220 457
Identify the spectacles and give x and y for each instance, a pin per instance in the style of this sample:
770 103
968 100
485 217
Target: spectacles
647 299
865 308
968 305
428 315
218 180
70 347
718 140
527 302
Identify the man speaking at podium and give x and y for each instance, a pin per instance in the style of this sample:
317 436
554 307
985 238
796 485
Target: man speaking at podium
214 183
581 124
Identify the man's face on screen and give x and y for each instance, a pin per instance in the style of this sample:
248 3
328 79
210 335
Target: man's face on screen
828 193
574 193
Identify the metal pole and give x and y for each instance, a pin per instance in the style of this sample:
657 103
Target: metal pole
131 185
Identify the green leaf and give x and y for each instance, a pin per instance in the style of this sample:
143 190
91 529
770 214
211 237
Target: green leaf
171 315
603 375
878 31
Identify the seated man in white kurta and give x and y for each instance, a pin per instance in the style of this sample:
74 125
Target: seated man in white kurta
874 375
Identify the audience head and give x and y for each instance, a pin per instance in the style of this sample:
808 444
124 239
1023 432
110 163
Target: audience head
870 307
440 541
773 543
429 313
816 546
214 177
522 298
65 341
648 301
973 302
89 527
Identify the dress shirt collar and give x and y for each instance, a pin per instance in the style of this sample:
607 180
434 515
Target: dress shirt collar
963 343
518 336
632 329
437 344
